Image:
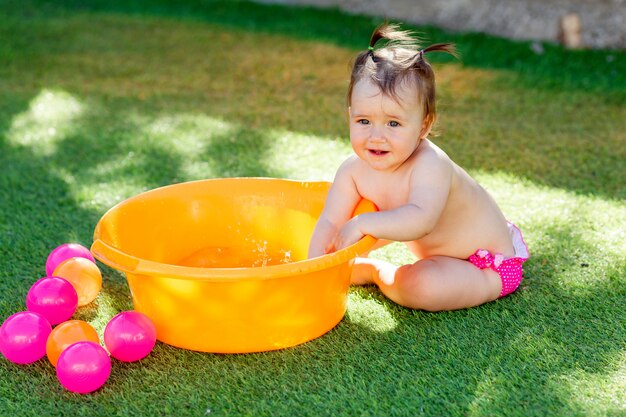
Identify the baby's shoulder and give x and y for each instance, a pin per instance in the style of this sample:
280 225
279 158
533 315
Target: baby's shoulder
429 150
430 156
351 165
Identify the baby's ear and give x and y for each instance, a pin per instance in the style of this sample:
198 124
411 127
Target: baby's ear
427 125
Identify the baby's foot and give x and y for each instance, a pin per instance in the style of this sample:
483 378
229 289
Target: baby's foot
386 273
372 271
362 272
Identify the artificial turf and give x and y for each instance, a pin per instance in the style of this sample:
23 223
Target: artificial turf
102 100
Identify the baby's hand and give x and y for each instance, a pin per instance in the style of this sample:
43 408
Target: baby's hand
348 235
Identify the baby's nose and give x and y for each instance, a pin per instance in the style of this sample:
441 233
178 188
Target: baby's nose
376 134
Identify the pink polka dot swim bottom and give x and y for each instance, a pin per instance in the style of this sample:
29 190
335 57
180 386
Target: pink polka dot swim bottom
509 269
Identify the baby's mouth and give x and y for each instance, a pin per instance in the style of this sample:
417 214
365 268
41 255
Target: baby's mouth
378 152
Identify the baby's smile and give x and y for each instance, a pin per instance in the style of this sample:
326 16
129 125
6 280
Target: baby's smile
378 152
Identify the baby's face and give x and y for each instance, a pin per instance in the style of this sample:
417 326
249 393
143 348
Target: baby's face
384 132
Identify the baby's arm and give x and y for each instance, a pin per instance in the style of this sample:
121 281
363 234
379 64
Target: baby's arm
340 202
429 184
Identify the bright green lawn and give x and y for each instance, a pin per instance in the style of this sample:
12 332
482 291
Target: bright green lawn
103 100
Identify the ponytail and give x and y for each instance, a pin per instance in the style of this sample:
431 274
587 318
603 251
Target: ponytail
436 47
442 47
392 34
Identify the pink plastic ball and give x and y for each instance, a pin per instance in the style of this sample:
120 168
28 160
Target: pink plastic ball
130 336
83 367
23 337
54 298
65 252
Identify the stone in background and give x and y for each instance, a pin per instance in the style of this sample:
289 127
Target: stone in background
601 23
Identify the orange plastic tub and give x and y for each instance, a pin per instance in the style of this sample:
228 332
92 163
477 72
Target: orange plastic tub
221 265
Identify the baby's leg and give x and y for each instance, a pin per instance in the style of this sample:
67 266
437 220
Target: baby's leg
433 284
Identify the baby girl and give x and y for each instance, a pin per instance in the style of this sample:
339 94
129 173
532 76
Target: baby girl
468 254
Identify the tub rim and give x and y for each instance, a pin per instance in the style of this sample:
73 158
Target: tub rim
119 260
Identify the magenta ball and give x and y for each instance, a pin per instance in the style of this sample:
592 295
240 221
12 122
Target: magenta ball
23 337
65 252
129 336
83 367
54 298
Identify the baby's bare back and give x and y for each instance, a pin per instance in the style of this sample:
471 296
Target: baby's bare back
471 220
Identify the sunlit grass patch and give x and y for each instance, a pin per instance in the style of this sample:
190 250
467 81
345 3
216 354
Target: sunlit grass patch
597 393
49 118
371 314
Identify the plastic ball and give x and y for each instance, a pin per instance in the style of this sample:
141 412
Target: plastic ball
23 337
54 298
84 275
83 367
130 336
66 334
64 252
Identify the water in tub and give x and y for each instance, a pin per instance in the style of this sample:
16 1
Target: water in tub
254 254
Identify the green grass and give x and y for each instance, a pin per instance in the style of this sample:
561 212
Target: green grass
102 100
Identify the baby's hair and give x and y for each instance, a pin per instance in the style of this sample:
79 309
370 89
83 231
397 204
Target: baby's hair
399 60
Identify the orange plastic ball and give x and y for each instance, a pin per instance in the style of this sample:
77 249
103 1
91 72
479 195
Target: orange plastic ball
84 275
66 334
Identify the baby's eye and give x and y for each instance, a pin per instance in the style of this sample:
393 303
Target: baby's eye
393 123
363 121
